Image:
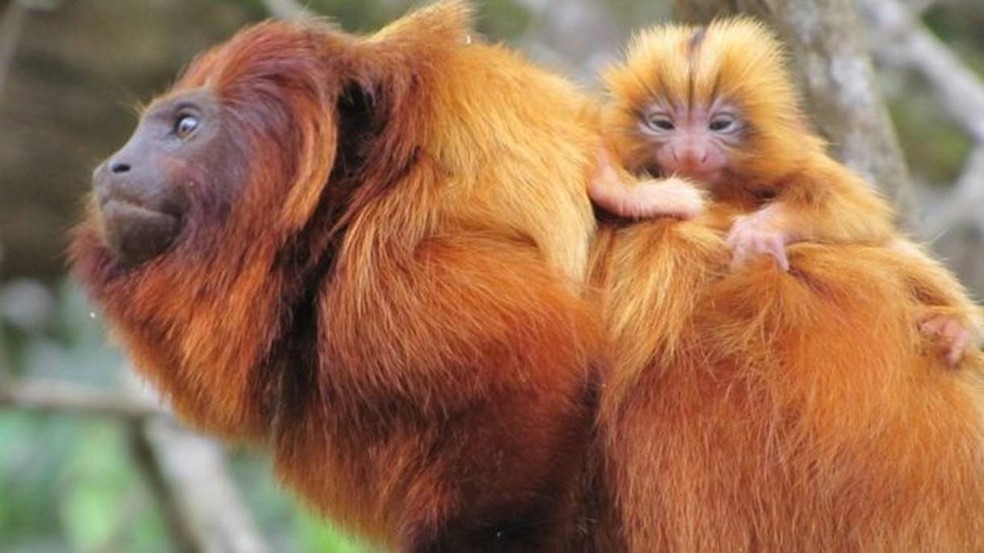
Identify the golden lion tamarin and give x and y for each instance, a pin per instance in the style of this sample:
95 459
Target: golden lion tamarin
356 250
726 124
759 406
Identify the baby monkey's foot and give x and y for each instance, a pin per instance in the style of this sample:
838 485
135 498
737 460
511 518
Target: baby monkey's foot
956 338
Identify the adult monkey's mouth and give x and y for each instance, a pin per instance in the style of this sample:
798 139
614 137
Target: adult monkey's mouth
136 233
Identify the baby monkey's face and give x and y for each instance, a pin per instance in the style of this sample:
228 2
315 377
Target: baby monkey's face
692 141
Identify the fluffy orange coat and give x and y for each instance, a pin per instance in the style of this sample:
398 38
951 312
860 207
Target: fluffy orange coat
392 300
764 410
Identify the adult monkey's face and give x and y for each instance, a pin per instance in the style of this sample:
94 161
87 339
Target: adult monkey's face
147 190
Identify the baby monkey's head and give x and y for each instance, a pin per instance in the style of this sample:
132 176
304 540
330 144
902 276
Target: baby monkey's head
713 104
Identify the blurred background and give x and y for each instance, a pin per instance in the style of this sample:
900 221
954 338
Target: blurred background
85 465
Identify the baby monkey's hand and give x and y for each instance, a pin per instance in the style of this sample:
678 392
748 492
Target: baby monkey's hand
953 335
762 232
674 197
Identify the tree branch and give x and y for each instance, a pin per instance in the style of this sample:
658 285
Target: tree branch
901 40
147 461
190 476
186 472
49 396
964 204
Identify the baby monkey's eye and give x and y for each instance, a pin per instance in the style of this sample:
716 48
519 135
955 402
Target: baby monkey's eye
724 122
659 122
186 125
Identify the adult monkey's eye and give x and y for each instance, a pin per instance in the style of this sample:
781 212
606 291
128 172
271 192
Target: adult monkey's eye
186 125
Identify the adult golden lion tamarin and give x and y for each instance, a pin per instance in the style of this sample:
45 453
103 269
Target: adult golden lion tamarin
366 252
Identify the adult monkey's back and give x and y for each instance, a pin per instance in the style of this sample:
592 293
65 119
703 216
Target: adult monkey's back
365 252
765 410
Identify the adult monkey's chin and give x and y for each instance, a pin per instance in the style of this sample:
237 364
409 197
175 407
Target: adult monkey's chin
136 234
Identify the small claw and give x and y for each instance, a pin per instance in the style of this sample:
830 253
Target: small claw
958 348
738 258
776 247
746 241
931 326
955 337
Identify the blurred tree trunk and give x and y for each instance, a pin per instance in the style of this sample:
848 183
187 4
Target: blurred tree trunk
830 58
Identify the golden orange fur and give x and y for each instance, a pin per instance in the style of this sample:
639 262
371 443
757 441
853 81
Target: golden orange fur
761 410
391 299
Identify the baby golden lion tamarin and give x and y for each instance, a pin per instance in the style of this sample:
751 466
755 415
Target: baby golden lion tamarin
713 111
756 409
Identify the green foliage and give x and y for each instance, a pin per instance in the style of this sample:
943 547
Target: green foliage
959 26
103 502
321 537
70 484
